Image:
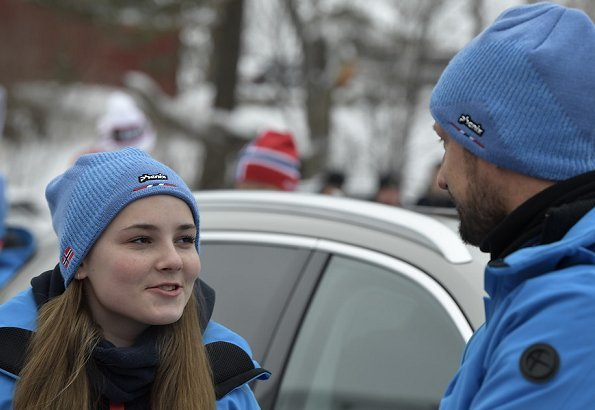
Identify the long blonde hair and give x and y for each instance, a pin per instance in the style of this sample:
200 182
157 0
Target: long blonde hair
55 370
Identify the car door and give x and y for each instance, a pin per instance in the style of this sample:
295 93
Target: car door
339 326
373 337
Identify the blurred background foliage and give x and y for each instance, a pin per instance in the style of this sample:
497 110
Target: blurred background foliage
323 66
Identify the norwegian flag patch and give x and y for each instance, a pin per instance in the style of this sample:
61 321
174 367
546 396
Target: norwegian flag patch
67 256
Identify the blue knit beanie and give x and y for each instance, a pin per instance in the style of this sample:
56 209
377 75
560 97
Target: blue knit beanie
521 95
88 196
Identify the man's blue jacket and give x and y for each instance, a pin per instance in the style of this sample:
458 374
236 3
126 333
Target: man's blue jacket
536 349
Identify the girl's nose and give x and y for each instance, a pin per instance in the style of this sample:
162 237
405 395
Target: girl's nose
169 259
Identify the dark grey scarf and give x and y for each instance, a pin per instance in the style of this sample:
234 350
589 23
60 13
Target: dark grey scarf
125 374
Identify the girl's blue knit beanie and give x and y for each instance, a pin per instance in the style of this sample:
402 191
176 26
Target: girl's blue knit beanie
88 196
521 95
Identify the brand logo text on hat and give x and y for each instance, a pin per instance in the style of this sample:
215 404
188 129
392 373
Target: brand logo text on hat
473 126
151 177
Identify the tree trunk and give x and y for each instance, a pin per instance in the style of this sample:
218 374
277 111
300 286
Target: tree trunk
414 81
224 75
318 89
226 53
318 104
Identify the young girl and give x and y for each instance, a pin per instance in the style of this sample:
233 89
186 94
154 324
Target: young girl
118 323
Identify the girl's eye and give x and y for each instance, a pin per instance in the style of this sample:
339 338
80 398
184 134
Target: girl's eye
187 239
141 240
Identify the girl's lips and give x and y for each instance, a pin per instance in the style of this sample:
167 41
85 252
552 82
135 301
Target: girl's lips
167 289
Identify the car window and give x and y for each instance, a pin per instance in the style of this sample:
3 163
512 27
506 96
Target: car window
252 284
372 338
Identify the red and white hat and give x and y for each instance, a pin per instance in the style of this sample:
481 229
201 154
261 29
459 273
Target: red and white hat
271 159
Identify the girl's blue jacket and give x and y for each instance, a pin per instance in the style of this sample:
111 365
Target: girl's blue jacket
21 312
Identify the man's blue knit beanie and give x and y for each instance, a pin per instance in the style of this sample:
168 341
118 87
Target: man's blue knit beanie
521 95
88 196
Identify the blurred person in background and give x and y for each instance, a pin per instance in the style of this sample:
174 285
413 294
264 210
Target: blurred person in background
333 184
271 162
122 321
389 190
514 111
17 244
123 124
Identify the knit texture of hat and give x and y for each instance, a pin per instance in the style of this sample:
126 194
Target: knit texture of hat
521 95
87 197
272 158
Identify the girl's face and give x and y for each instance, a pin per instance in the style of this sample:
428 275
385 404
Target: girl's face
142 269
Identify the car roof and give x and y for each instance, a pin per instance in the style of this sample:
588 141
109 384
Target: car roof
394 220
427 241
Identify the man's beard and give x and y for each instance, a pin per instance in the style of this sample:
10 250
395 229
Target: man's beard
481 213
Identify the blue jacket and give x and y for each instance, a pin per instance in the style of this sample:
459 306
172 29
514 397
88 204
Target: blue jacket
18 248
536 349
21 312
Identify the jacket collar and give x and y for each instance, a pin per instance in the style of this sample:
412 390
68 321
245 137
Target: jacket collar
544 218
575 248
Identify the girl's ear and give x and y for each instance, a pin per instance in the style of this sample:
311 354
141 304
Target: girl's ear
81 272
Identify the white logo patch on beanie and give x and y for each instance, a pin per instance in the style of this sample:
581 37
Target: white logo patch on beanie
152 177
469 123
